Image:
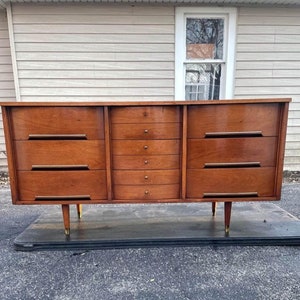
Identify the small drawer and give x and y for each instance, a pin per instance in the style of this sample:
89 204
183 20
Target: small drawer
144 193
145 114
148 177
235 182
67 154
146 131
57 123
233 119
211 152
145 147
153 162
61 185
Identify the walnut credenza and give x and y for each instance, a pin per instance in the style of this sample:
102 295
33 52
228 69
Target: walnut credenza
145 152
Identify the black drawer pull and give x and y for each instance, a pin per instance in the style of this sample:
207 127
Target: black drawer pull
61 198
229 134
230 195
250 164
59 167
57 137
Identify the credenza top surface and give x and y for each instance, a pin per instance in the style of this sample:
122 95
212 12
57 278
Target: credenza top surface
149 103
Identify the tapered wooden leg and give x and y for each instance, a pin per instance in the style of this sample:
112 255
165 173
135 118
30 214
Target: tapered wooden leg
214 208
66 216
79 210
227 215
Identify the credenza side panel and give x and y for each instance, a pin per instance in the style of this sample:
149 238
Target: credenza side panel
58 154
233 151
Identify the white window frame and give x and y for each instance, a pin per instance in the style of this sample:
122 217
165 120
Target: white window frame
230 16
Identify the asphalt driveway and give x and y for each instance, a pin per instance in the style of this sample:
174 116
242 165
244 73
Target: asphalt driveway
208 272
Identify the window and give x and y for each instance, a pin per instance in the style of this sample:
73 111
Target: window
205 43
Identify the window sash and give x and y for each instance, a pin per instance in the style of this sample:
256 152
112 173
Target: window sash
227 61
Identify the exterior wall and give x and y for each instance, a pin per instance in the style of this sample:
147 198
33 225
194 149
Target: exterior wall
268 64
7 89
94 52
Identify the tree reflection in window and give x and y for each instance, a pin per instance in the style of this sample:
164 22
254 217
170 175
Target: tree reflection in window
204 38
204 54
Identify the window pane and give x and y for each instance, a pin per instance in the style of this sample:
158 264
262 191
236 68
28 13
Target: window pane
202 81
204 38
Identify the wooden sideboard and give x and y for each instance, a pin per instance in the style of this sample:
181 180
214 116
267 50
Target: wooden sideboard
145 152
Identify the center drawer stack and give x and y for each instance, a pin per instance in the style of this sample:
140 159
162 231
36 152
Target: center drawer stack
232 150
60 153
146 141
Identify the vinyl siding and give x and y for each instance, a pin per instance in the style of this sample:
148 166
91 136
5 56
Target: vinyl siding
7 89
268 64
94 52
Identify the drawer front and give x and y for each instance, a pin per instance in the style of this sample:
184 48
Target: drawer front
243 118
145 114
204 152
144 193
147 177
233 181
67 154
146 131
158 162
145 147
61 185
82 121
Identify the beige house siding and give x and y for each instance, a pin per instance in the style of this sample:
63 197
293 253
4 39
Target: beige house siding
7 89
268 64
94 52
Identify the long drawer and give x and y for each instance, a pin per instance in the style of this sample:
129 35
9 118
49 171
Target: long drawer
151 162
237 119
211 152
57 123
145 114
62 185
203 183
146 177
146 131
151 192
88 154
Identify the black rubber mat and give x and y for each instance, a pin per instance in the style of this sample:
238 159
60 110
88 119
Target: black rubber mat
156 225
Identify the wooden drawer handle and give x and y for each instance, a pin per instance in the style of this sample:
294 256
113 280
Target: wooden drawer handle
250 164
57 137
228 134
58 167
61 198
230 195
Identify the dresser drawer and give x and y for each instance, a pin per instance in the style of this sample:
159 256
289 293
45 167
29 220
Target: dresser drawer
207 152
144 193
60 154
145 114
57 122
159 162
61 185
145 147
232 181
147 177
233 118
146 131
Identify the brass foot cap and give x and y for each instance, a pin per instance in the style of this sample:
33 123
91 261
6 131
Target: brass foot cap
226 229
